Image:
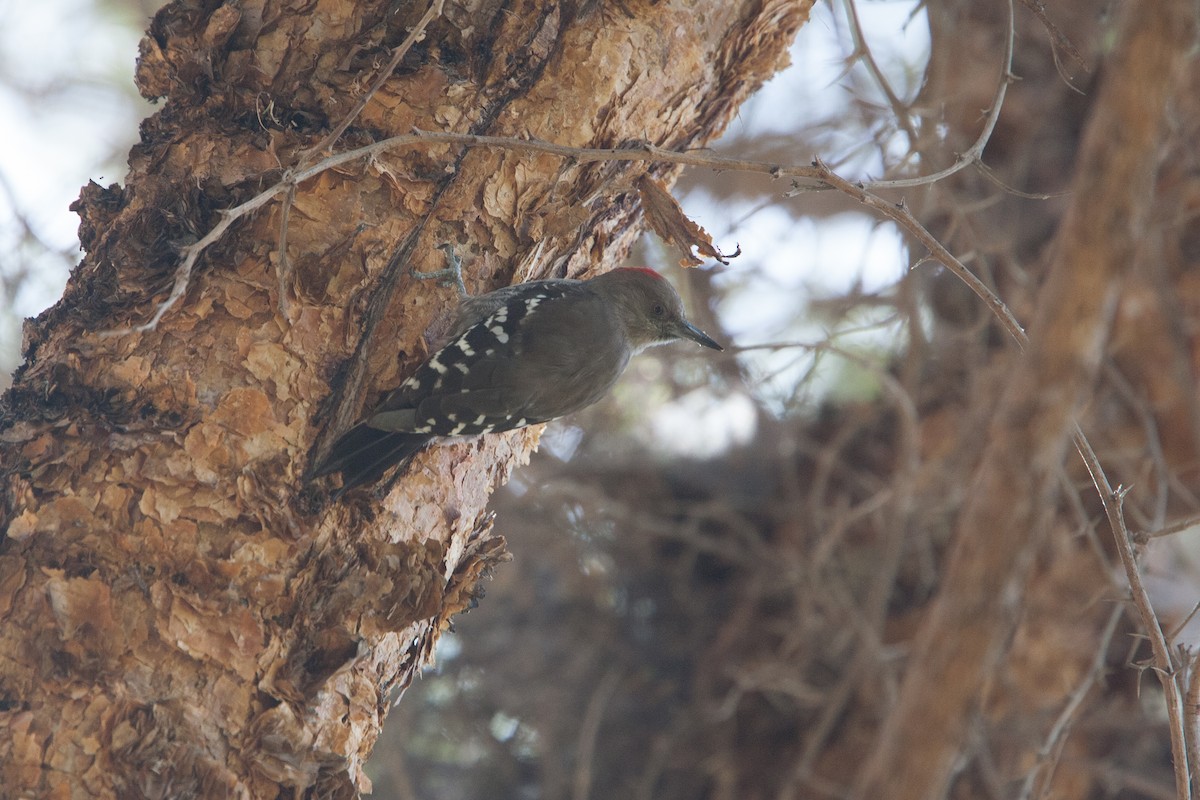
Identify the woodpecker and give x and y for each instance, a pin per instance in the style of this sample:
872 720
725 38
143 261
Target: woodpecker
518 356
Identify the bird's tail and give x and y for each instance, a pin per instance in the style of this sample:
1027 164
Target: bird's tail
364 454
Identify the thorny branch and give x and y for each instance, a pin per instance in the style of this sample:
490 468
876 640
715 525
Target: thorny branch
1164 667
306 168
974 153
819 177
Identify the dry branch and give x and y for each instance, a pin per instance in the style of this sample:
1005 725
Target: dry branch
958 644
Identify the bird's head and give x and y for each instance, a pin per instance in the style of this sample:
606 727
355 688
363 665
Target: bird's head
650 308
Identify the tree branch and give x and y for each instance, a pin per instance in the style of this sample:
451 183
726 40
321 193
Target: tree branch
961 638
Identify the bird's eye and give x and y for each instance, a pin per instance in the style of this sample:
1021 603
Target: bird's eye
659 310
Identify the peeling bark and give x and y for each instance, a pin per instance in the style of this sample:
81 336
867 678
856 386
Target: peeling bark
179 615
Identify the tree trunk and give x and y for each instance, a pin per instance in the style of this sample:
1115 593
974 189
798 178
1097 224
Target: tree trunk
180 615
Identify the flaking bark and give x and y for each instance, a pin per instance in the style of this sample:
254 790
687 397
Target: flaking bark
179 615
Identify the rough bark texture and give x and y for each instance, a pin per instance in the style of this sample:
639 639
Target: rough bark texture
179 615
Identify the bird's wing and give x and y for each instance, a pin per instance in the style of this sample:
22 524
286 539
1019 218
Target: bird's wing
467 385
475 309
527 361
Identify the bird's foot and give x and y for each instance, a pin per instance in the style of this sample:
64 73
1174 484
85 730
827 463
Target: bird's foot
451 275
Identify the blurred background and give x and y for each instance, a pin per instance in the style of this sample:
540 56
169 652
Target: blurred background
717 570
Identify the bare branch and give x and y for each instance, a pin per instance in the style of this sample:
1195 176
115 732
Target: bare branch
1142 537
974 153
1192 707
1058 39
899 213
1051 749
1165 668
414 36
589 729
283 268
863 52
1114 180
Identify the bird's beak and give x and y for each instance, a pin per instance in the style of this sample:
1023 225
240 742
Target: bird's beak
689 331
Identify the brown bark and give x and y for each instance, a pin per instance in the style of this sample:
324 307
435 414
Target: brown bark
179 615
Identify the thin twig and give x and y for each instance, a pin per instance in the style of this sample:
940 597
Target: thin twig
1183 623
294 177
1051 749
1140 407
1193 716
899 213
1142 537
191 253
589 729
1058 39
1164 666
863 53
283 268
974 153
415 35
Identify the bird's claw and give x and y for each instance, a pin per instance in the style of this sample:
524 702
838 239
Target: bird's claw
450 275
